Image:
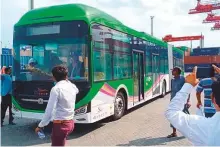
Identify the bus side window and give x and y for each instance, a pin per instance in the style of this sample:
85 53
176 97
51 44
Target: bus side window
98 74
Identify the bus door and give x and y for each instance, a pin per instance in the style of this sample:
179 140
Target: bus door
156 74
138 76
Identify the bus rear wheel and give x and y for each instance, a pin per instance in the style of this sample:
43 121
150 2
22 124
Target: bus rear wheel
119 106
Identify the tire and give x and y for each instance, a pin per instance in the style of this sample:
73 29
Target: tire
163 90
119 106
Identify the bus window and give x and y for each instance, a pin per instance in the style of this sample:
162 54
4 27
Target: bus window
122 68
102 55
46 56
122 55
38 54
75 57
25 55
102 66
51 45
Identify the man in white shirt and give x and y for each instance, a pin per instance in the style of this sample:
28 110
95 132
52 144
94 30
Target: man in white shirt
62 104
198 129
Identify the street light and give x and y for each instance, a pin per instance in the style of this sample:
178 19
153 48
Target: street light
152 25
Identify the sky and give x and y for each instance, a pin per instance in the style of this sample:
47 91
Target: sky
171 17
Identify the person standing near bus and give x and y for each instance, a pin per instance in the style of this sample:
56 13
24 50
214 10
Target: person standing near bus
205 85
6 85
176 84
62 104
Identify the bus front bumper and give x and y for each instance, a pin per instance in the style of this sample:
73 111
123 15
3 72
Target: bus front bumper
81 119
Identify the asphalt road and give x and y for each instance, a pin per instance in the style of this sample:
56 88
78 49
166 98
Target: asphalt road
142 126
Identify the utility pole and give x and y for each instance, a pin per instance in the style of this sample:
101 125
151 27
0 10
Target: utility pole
202 41
191 45
152 25
31 4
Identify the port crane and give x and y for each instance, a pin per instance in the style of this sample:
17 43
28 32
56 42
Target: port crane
205 7
170 38
208 7
216 26
211 18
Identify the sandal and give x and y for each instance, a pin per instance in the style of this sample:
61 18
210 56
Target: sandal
172 135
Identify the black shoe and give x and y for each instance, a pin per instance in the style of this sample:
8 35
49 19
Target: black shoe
12 123
172 135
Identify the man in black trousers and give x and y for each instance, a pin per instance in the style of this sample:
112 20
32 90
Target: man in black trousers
6 85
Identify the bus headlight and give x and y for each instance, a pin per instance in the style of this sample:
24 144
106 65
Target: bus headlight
81 110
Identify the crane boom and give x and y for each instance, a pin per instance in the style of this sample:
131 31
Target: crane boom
208 7
216 26
211 18
204 8
170 38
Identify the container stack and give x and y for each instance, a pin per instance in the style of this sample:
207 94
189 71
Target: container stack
202 57
206 52
6 57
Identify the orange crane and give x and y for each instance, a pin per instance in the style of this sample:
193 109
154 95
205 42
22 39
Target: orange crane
211 18
170 38
203 8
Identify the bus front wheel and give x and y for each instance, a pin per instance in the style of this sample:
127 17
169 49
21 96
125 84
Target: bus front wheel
119 106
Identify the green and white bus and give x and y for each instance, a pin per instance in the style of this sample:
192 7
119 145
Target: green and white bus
115 67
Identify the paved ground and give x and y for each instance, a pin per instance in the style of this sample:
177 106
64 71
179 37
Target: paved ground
143 126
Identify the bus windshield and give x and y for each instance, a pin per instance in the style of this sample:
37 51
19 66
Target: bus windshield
38 53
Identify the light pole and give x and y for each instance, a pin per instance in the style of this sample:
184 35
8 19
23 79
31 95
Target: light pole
152 25
31 4
202 41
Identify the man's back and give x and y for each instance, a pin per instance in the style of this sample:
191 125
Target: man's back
60 107
177 84
66 100
205 85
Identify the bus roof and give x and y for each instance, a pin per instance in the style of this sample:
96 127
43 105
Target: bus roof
89 14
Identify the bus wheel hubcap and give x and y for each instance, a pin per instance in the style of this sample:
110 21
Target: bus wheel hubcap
119 105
